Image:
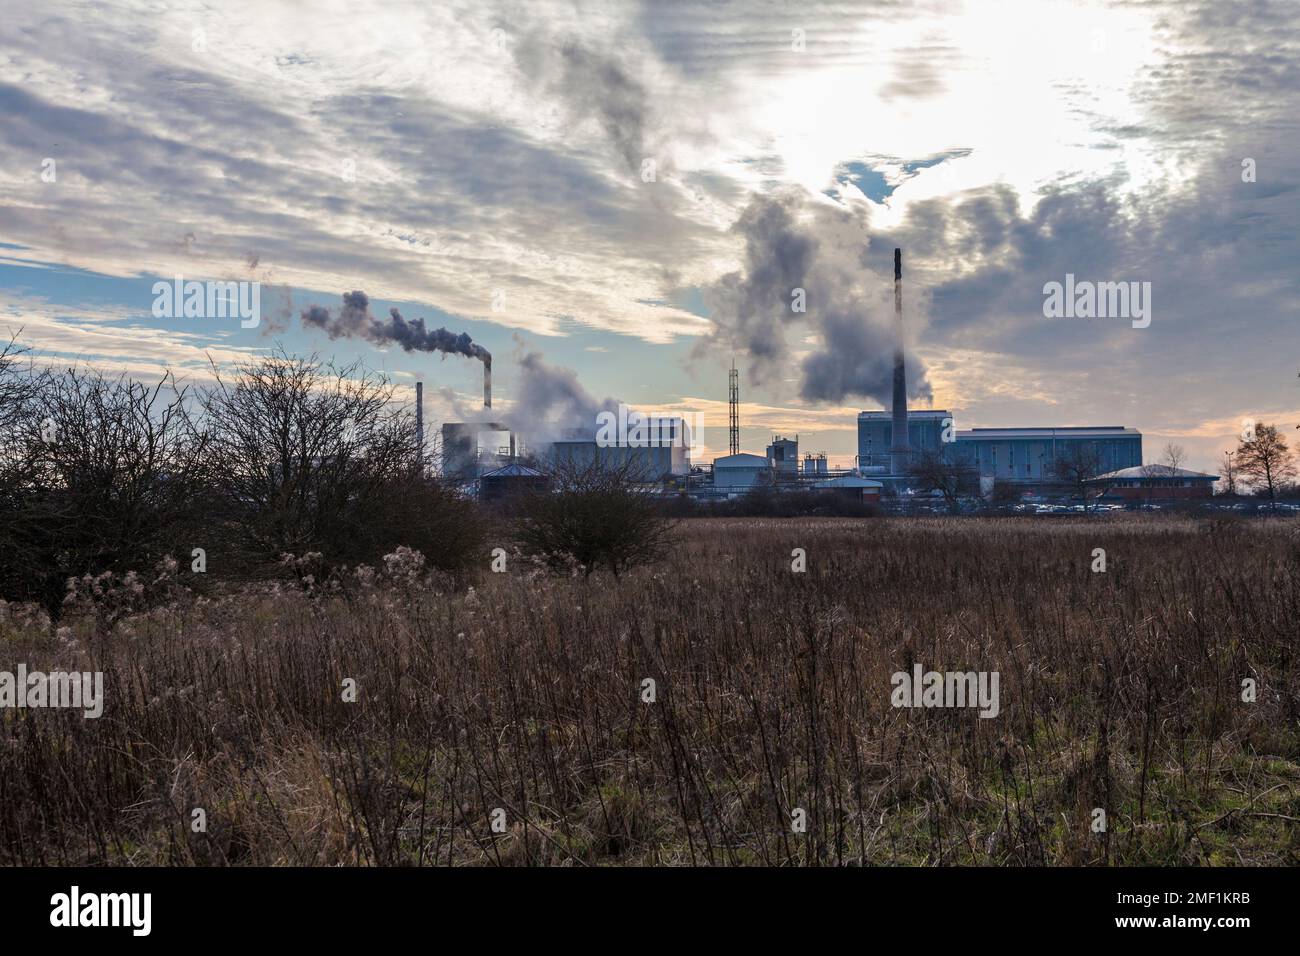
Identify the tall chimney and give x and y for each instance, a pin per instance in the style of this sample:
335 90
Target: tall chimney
487 383
900 451
419 415
733 410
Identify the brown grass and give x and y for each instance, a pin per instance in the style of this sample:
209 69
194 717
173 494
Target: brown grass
1118 690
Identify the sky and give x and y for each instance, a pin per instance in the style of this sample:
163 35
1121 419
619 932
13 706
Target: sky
620 199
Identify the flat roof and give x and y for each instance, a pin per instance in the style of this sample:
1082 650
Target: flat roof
1068 431
911 413
848 481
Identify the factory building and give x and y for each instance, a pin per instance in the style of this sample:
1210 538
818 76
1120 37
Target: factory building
783 453
510 481
646 462
852 487
1154 482
1026 455
735 474
925 432
471 448
658 448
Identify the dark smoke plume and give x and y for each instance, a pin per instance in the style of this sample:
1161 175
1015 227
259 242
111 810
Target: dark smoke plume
353 320
792 242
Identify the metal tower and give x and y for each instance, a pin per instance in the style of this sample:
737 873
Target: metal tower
734 422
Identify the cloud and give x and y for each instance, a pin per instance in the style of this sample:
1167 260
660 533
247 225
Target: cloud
454 153
109 338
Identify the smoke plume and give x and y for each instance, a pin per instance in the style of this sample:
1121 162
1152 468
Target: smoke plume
550 403
353 320
592 84
795 243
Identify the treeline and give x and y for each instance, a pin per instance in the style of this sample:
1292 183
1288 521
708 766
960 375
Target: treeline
106 478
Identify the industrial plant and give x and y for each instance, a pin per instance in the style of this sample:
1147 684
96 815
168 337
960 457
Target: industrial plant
899 451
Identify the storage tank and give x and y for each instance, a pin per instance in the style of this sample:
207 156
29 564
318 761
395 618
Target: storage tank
815 464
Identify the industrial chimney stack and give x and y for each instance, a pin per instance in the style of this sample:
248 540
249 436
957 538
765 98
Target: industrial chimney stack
733 410
419 415
487 383
900 451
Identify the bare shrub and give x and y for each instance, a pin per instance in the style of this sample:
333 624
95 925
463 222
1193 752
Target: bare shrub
105 474
596 514
315 458
773 693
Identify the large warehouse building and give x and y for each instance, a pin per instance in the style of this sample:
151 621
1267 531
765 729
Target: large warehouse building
1026 455
1022 457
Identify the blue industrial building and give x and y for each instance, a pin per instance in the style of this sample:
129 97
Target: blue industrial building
1026 455
1023 457
925 432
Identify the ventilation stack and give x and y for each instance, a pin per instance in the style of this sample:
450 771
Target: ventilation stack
419 416
733 401
900 452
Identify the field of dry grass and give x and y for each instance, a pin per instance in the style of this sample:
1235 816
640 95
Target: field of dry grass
1119 690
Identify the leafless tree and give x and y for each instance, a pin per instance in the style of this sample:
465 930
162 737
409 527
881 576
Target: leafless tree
932 472
15 387
1266 461
1228 474
594 514
1174 456
18 387
1080 465
109 474
318 458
